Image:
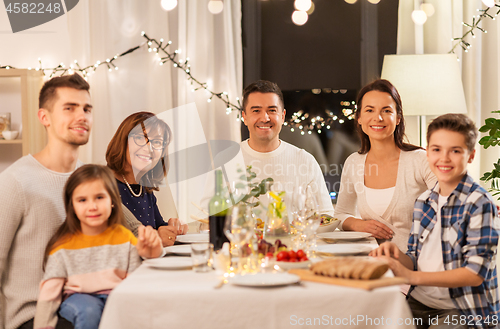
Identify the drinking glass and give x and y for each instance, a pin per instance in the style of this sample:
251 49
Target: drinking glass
276 224
201 256
239 229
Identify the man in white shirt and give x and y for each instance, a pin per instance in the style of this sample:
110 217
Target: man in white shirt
32 198
264 114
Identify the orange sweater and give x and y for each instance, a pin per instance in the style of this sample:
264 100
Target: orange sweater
85 264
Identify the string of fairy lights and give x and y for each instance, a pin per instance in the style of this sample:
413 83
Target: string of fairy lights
162 49
299 121
474 26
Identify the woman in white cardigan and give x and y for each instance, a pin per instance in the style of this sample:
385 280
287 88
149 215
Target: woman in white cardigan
381 182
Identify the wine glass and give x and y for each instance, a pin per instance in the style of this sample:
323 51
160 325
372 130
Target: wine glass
312 220
239 228
297 212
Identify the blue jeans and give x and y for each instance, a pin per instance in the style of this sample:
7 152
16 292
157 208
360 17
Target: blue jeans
83 310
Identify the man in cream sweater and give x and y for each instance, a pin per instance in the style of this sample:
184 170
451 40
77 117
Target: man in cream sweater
32 198
264 114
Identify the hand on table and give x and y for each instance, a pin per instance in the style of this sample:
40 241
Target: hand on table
386 249
376 228
177 224
148 242
167 235
399 269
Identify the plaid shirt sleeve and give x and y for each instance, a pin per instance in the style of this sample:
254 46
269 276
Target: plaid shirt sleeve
420 213
481 234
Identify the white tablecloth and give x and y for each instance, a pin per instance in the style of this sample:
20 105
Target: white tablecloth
152 298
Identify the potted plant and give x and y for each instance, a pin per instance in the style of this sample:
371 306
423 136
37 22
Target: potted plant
492 127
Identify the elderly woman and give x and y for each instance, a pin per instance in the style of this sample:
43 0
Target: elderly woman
137 155
385 177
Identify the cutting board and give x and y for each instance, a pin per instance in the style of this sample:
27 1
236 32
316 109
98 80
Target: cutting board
307 275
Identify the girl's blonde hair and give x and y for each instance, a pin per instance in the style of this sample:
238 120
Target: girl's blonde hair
85 174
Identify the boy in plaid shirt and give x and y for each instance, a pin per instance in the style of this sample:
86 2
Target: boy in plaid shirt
451 257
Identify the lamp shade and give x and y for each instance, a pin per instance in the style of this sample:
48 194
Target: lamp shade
428 84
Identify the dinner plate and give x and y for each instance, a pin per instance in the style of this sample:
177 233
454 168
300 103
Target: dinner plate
343 249
193 238
182 249
170 263
352 236
265 279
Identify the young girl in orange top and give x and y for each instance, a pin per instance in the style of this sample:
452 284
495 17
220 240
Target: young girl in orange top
91 252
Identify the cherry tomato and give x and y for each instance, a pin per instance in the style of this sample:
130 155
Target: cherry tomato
282 256
269 255
293 260
303 259
300 253
292 254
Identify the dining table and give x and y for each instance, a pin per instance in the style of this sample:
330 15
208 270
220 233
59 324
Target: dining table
159 298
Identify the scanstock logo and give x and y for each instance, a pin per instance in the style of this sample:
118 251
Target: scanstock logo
24 15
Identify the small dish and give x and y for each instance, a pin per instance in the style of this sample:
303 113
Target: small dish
291 265
342 250
329 227
170 263
265 279
9 135
342 235
183 249
193 238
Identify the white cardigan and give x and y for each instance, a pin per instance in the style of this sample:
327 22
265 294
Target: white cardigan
414 177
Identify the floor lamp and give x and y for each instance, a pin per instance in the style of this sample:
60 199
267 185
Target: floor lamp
428 85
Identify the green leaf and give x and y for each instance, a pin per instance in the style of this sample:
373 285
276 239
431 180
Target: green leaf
490 122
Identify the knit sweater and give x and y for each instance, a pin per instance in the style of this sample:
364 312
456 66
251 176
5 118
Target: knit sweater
290 167
413 178
85 264
32 209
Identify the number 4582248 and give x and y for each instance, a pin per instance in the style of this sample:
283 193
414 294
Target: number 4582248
33 8
471 320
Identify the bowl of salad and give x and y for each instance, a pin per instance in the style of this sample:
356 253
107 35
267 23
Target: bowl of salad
328 224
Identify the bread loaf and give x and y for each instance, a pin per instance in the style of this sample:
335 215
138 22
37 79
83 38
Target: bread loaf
351 268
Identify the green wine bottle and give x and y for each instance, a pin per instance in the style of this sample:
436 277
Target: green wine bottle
218 209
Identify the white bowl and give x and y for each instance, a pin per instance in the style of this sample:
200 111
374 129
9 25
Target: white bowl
330 227
12 134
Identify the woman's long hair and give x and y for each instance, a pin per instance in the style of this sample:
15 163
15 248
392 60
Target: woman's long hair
71 226
116 154
399 133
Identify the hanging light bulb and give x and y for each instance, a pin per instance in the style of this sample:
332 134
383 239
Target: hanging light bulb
374 1
428 8
299 17
489 3
303 5
168 4
311 10
351 1
215 6
419 17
